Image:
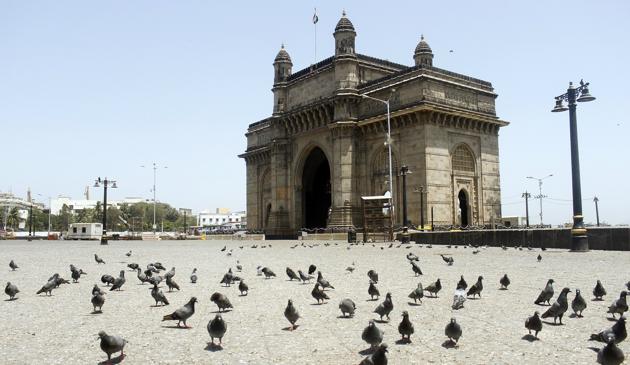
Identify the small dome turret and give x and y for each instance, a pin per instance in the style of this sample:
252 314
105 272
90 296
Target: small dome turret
344 24
282 65
423 54
282 56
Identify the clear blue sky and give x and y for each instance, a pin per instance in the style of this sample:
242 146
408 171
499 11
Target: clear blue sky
93 88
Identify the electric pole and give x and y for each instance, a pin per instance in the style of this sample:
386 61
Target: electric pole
526 195
540 195
596 200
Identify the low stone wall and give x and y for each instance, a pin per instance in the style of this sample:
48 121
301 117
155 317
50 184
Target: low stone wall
602 238
232 237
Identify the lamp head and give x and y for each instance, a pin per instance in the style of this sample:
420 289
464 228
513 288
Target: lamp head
585 95
114 186
560 107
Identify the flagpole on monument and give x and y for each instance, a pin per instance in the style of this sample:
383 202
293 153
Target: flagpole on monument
315 20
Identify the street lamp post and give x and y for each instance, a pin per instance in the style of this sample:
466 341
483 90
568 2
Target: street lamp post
404 170
106 183
596 200
30 223
388 143
579 237
420 190
155 168
540 195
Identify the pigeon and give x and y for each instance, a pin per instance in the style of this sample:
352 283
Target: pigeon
170 273
558 308
534 323
458 299
405 328
98 299
620 305
141 276
610 354
311 269
112 344
304 277
372 335
373 291
386 307
448 259
347 306
243 288
171 284
453 331
119 281
107 279
505 282
379 356
158 296
412 257
434 288
476 288
291 314
193 276
578 304
323 282
221 301
217 328
75 274
373 275
96 289
11 290
183 313
350 269
159 266
58 280
292 275
128 254
268 273
416 268
417 294
319 294
157 279
618 331
259 270
48 287
461 284
13 265
599 292
227 278
539 257
133 266
98 259
223 249
546 294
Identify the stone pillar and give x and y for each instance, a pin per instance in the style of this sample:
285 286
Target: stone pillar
279 217
342 174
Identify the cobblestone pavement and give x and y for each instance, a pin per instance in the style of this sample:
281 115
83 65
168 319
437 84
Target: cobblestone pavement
61 329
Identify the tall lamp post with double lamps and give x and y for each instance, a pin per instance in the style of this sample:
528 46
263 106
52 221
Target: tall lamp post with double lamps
155 168
579 236
106 183
388 143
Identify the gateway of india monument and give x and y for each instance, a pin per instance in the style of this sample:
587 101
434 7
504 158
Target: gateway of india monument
324 146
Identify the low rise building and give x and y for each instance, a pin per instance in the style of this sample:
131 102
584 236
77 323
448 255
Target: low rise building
222 218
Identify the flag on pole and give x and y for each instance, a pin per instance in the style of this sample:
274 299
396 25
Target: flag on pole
315 17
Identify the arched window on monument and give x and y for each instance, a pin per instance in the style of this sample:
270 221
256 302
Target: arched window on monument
463 159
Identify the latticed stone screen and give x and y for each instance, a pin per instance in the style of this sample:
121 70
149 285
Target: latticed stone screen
463 159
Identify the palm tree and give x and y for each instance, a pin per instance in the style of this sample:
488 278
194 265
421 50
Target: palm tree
13 219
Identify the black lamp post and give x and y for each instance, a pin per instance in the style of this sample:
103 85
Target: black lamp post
30 223
421 190
404 170
579 237
106 183
596 200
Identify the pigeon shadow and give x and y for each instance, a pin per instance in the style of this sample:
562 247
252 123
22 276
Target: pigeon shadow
97 312
115 360
530 338
242 295
403 341
611 319
10 300
553 324
449 344
575 315
414 304
597 300
367 351
319 303
381 321
177 327
473 298
503 289
593 349
213 347
222 311
371 300
291 328
345 317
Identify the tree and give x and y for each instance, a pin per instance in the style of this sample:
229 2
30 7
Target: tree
13 219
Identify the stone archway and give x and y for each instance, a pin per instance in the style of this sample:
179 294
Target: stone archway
464 208
316 190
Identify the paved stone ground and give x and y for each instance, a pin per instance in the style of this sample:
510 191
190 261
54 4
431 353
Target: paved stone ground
61 329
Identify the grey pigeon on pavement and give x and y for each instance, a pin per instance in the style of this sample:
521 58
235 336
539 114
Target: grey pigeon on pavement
158 296
434 288
98 299
96 289
459 299
620 305
170 273
534 323
578 304
311 269
558 308
347 306
107 279
171 284
610 354
385 308
546 294
448 259
159 266
155 279
217 328
292 275
193 276
476 288
373 291
405 328
417 293
598 291
323 282
111 344
243 288
461 284
304 277
128 254
98 259
416 268
268 273
373 275
228 278
539 258
133 266
183 313
291 314
505 282
319 294
48 287
372 335
13 265
142 276
618 330
11 290
221 301
119 281
453 330
379 357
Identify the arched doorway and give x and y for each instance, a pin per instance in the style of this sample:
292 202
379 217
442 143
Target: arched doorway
316 196
463 208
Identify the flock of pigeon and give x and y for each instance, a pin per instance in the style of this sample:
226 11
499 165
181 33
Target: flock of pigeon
155 273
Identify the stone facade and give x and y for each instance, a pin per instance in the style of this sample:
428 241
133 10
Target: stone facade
323 147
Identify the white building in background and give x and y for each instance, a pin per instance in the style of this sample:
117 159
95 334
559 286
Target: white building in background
222 218
79 204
